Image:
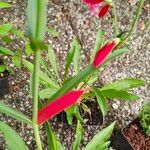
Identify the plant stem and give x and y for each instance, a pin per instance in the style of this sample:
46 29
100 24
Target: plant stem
35 98
135 22
116 23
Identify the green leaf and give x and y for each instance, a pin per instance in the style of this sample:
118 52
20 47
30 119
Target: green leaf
51 138
2 68
53 61
53 32
103 146
12 139
78 136
73 112
28 49
76 58
101 100
6 51
73 82
43 76
19 34
124 84
115 54
14 114
5 28
111 93
46 93
100 138
98 43
36 20
7 39
69 58
5 5
16 59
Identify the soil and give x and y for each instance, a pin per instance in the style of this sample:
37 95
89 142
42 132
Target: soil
96 117
136 136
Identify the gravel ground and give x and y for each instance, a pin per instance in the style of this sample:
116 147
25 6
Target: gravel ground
71 19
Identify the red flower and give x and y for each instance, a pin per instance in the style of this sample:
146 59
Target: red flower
58 105
103 11
102 54
99 7
93 1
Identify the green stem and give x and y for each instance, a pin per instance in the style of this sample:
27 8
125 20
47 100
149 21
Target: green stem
35 98
116 22
135 22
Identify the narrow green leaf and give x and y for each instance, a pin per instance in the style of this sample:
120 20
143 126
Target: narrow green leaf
98 43
6 51
103 146
2 68
12 139
101 100
69 58
101 137
111 93
43 76
5 5
53 61
73 82
28 49
76 58
53 32
124 84
115 54
14 114
5 28
46 93
19 34
51 138
36 19
78 136
16 59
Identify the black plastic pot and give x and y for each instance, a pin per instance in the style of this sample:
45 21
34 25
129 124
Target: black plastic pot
4 86
119 142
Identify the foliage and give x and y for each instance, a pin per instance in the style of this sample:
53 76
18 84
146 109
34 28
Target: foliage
144 118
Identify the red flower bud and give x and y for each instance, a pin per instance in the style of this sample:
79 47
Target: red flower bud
102 54
58 105
103 11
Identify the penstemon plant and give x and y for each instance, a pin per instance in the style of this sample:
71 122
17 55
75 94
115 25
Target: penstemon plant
61 93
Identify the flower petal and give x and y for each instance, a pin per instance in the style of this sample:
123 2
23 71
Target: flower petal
58 105
93 1
103 11
102 54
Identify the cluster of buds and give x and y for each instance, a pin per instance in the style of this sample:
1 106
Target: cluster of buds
99 7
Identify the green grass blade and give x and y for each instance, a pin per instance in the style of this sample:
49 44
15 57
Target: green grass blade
5 29
101 100
69 58
123 95
6 51
12 139
78 136
14 113
53 32
100 137
5 5
73 82
98 43
53 61
76 58
124 84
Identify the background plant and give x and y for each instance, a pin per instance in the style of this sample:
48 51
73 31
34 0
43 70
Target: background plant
144 118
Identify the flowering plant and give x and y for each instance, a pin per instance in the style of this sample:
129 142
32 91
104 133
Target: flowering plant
69 91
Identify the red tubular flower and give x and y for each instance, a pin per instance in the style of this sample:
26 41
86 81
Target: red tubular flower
102 54
103 11
93 1
58 105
